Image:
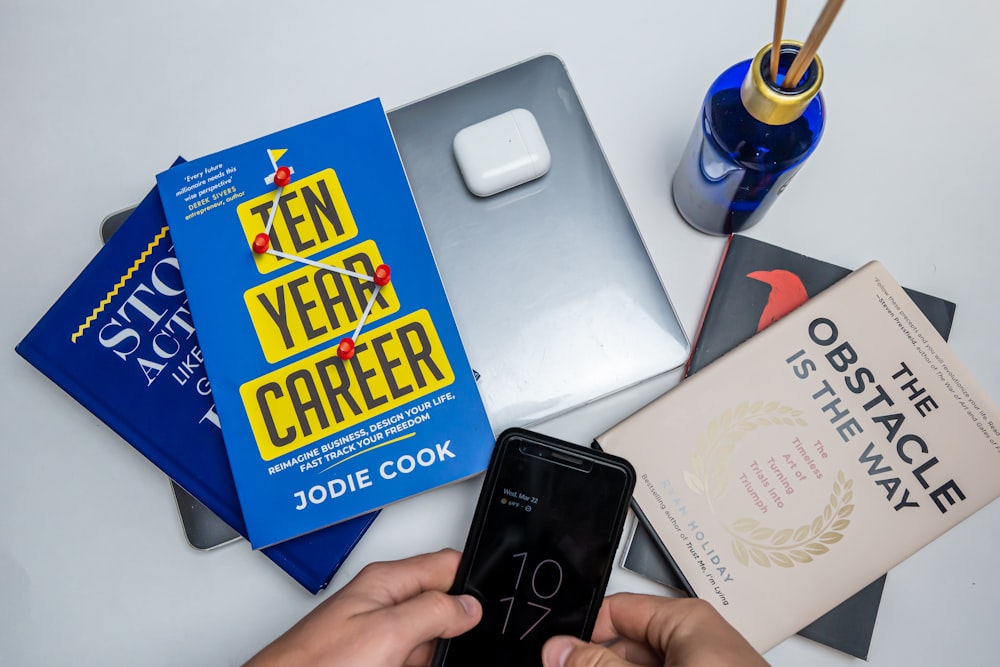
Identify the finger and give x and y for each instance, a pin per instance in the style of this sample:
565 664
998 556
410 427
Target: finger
430 615
563 651
390 583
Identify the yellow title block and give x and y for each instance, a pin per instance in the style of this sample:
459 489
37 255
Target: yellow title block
322 394
310 216
303 308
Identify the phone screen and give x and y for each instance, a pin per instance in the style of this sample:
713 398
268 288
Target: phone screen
546 530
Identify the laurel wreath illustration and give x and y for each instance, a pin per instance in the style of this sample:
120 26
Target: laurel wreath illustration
710 460
753 541
786 547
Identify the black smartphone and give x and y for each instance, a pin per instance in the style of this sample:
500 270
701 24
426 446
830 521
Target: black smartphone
540 549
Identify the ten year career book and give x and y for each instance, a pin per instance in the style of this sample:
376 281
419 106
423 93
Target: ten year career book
774 475
120 340
339 376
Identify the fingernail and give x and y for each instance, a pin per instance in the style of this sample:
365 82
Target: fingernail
556 651
469 604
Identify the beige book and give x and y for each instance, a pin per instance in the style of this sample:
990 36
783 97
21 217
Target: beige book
796 469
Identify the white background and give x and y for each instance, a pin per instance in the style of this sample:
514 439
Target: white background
97 97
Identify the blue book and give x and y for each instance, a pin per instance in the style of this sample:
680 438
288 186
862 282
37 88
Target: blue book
340 379
121 342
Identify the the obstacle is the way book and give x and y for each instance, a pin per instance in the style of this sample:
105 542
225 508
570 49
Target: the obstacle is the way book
806 462
339 375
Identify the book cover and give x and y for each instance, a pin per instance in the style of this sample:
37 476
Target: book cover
755 285
120 340
773 475
339 376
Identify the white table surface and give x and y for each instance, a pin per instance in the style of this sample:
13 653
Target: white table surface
96 97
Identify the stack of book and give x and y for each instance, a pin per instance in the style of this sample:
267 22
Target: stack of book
793 469
755 285
327 377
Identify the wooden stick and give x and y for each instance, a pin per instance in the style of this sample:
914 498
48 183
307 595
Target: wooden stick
805 56
779 24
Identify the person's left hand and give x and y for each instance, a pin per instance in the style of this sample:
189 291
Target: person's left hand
387 616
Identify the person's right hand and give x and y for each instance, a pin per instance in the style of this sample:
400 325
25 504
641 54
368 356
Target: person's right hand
655 632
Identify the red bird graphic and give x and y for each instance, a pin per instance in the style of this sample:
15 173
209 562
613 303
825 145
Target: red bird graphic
787 294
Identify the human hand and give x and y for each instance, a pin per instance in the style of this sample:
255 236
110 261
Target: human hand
655 632
387 616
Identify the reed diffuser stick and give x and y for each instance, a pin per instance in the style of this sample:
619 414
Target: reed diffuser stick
779 24
816 35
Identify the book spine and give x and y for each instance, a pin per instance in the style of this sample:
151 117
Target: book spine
708 305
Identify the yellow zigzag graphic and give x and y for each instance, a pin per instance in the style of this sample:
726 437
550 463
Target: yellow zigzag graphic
121 283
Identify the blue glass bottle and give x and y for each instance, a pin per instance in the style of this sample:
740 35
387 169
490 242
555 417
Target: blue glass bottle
750 140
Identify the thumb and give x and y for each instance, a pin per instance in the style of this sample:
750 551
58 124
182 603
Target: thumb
562 651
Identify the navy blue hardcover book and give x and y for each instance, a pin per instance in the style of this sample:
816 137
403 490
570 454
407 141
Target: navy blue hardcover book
121 342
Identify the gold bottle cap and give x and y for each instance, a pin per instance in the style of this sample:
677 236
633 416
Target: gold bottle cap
773 105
